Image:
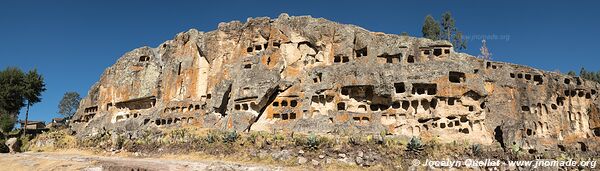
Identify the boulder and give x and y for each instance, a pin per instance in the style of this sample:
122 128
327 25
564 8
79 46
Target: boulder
302 160
13 144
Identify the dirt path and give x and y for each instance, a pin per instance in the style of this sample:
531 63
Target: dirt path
60 161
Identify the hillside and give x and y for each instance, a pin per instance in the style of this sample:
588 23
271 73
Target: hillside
310 75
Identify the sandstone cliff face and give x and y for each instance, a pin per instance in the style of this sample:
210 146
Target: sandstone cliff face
308 74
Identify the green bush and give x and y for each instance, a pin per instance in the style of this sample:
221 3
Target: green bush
212 137
515 149
118 142
179 135
312 142
252 137
476 149
3 147
589 75
278 137
98 140
381 139
230 137
415 145
299 140
354 140
25 142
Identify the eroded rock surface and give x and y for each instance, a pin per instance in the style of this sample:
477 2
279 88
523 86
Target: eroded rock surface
308 74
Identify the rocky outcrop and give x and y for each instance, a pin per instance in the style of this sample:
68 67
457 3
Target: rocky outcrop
13 144
308 74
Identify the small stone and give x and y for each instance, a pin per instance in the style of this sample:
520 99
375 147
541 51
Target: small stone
115 152
321 156
302 160
342 155
301 152
361 154
314 162
281 155
359 160
328 161
263 154
349 161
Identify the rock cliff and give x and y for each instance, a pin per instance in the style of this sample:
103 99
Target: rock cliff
307 74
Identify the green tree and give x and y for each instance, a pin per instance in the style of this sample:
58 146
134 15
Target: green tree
589 75
431 28
68 104
11 90
11 96
448 27
7 122
450 32
571 73
34 86
459 42
445 30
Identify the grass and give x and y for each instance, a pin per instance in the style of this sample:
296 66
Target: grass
50 141
259 147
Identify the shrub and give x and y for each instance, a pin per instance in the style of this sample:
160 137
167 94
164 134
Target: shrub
52 141
563 157
118 142
252 137
179 135
476 149
93 141
369 139
415 145
211 137
3 147
299 140
278 137
230 137
354 140
312 142
391 142
381 139
515 149
25 142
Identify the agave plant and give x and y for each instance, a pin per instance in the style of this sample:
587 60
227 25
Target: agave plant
415 145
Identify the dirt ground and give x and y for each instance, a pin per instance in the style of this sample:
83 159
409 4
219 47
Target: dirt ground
71 160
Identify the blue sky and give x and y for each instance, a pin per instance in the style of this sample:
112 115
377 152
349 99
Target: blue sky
72 42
